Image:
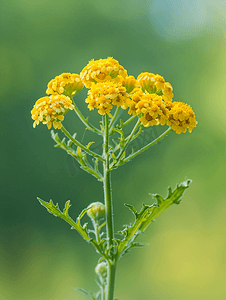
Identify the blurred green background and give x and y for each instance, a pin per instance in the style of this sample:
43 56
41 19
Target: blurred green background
184 41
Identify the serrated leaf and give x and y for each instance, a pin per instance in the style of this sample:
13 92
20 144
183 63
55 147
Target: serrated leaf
173 197
54 209
131 232
51 208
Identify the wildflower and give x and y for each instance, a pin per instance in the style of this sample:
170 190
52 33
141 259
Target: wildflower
152 109
104 95
136 96
50 110
152 83
129 83
102 70
167 91
181 117
96 211
66 83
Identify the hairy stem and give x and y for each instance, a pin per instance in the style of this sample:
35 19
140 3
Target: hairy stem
128 139
109 212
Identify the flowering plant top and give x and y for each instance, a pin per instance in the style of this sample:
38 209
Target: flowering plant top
149 96
148 100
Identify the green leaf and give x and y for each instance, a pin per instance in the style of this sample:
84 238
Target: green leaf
55 210
91 171
132 208
147 215
173 197
132 231
87 293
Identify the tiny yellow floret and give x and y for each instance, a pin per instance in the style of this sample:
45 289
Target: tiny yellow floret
102 70
181 117
50 110
66 83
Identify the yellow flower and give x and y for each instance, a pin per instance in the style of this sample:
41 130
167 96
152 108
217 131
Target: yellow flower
66 83
146 81
136 96
152 109
129 83
152 83
102 70
50 110
104 95
181 117
167 91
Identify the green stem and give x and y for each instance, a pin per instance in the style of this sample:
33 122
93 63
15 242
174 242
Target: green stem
84 121
109 212
129 120
81 145
114 117
97 233
128 139
149 145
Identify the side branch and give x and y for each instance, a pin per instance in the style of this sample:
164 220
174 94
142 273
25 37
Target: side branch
148 145
84 121
128 139
90 152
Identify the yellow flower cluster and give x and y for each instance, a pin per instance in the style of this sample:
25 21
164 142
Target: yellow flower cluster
104 95
148 96
151 83
66 83
181 117
150 107
102 70
50 110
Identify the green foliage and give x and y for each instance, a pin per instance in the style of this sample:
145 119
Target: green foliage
55 210
148 214
78 154
87 293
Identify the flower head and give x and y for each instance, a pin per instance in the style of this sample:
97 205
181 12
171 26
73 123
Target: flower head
152 109
129 83
104 95
152 83
66 83
102 70
181 117
136 96
50 110
96 211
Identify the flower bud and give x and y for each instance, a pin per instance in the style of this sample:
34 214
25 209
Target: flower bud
96 211
101 269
